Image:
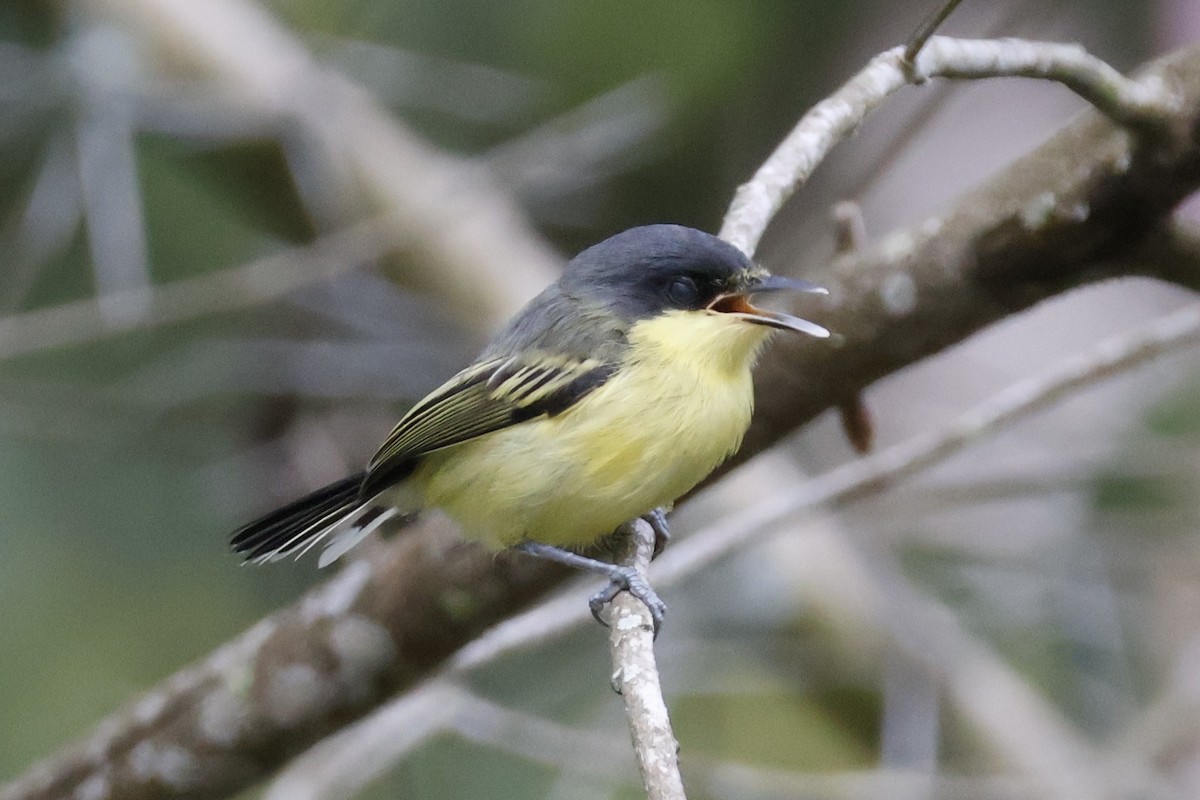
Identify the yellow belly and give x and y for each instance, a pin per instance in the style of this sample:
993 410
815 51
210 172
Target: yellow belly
661 424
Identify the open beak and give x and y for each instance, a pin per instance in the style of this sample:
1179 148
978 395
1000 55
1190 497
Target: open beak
738 305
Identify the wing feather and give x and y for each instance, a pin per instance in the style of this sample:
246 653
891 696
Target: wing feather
483 398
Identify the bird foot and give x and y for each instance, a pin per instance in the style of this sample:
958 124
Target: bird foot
621 579
627 579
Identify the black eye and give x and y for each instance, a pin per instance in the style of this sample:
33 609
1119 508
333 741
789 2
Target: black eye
683 292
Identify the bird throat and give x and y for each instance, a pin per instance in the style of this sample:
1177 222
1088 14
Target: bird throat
705 342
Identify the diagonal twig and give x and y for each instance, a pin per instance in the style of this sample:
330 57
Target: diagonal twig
1143 102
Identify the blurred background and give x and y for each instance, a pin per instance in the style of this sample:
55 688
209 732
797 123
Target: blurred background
238 237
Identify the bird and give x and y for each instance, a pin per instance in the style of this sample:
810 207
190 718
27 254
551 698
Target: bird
612 393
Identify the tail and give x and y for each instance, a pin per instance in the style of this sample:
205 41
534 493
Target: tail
336 513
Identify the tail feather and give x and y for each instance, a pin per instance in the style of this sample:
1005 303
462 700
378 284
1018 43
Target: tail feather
300 525
364 525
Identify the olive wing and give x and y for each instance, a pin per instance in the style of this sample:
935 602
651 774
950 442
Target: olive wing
483 398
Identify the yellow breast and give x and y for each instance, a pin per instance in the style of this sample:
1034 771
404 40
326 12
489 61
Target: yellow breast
675 409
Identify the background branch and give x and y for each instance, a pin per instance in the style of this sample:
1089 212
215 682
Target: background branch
244 286
1145 102
1074 211
463 237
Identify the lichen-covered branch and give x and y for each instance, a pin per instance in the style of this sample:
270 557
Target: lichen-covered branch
376 627
635 676
1135 102
1078 209
1146 102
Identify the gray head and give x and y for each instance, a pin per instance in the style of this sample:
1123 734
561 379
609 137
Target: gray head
647 271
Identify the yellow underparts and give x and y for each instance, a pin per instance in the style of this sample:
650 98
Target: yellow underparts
675 410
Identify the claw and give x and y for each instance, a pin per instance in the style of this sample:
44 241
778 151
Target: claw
621 579
600 599
626 579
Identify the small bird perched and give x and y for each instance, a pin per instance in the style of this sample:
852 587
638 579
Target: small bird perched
612 393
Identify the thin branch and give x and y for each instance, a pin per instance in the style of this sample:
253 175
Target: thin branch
472 92
850 236
1132 102
105 142
559 166
235 288
463 236
347 762
1011 716
330 770
764 783
927 28
935 99
635 676
1137 103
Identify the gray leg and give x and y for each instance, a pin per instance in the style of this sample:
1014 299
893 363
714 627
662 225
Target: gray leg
620 579
657 520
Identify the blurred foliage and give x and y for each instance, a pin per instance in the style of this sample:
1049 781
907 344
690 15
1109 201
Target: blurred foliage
29 22
208 209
